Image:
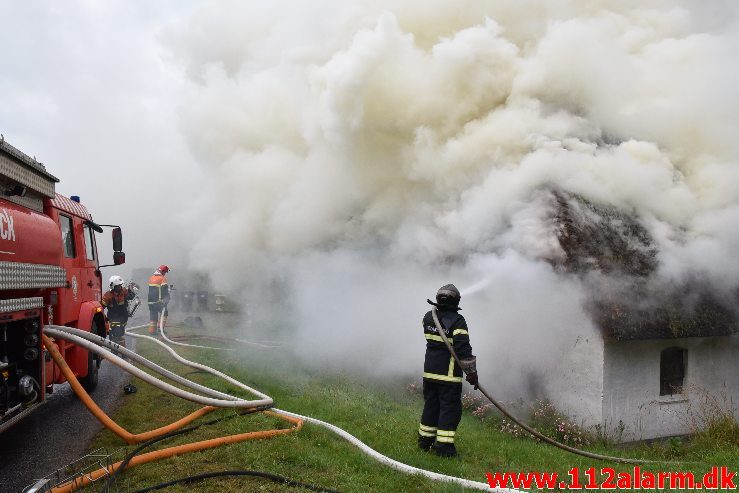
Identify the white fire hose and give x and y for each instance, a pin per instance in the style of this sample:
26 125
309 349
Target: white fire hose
133 356
229 402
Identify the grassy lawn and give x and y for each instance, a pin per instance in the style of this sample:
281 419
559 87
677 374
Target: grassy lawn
383 415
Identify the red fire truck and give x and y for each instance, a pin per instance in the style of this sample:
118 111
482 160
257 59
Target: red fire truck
49 274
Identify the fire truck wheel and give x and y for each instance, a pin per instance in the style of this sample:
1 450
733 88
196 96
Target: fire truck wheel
91 380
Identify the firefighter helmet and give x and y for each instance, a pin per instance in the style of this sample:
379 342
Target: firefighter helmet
116 281
448 296
163 269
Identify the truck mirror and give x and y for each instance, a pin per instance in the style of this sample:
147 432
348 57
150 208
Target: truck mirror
119 258
95 227
118 240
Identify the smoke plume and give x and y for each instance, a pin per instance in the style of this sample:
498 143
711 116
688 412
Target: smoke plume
362 154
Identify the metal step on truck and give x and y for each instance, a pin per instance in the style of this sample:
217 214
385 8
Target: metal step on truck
49 274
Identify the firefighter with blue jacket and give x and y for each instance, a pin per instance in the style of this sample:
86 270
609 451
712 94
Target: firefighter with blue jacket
442 376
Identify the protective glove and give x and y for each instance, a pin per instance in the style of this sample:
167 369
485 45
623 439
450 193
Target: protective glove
472 379
469 365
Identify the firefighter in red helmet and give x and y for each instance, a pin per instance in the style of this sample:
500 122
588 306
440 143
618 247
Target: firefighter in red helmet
158 297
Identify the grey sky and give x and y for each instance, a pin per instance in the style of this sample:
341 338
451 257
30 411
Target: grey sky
85 88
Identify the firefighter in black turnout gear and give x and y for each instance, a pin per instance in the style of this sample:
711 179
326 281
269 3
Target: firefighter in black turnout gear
442 376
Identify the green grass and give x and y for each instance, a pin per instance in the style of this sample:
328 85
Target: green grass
383 415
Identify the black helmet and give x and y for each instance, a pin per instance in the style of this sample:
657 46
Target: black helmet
447 297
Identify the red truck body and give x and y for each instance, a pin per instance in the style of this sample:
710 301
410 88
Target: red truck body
49 274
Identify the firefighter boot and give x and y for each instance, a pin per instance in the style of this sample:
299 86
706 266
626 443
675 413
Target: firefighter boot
445 449
425 443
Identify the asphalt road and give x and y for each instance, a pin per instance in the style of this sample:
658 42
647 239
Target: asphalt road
57 433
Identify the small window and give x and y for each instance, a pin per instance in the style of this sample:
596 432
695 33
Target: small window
672 362
67 236
89 243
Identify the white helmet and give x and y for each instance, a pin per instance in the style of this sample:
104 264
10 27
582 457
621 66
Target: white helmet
116 281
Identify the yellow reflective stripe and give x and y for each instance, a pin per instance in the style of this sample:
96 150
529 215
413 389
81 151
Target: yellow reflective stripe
459 331
450 373
445 433
431 337
445 439
445 378
426 433
427 428
159 288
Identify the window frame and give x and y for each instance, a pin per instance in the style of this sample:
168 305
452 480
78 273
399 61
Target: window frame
673 368
89 237
69 234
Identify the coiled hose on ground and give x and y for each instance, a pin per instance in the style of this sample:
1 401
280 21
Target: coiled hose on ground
96 344
131 438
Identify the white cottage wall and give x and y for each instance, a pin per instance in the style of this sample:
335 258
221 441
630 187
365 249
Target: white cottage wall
631 385
575 384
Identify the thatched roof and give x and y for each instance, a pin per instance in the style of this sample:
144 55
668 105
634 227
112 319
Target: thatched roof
595 237
610 242
706 317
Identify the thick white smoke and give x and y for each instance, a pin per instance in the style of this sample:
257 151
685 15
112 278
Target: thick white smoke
362 154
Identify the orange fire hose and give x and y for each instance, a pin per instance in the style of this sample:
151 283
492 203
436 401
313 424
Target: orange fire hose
141 437
125 435
181 449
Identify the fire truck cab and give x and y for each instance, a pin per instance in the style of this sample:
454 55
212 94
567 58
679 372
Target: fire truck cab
49 274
